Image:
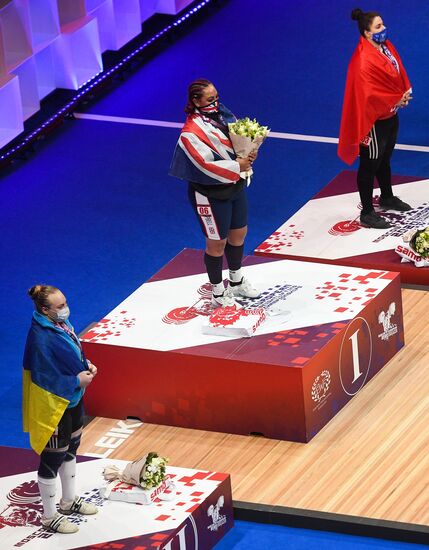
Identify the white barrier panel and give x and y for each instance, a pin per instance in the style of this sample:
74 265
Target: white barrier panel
11 117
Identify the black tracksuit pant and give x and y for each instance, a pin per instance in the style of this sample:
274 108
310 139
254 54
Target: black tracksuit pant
375 161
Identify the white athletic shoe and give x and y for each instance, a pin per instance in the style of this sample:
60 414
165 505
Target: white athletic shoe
245 289
78 506
60 524
226 300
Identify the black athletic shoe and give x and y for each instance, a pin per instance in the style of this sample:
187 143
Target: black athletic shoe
394 203
374 220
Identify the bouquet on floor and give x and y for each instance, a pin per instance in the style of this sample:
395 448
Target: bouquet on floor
247 136
415 248
141 481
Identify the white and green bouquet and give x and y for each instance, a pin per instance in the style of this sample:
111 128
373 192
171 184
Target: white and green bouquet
247 136
416 247
420 242
153 471
248 128
140 481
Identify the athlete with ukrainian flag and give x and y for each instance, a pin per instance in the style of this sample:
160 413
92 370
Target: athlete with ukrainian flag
56 374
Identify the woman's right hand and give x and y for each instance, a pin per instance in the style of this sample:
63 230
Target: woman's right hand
405 99
245 164
85 378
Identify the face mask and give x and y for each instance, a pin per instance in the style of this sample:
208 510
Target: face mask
212 107
380 37
62 315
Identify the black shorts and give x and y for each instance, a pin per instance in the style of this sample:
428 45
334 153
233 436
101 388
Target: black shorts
69 426
218 216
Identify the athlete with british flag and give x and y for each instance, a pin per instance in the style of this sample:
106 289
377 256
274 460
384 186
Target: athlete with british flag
204 157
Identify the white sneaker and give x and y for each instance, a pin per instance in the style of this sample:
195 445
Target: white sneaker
78 506
245 289
60 524
226 300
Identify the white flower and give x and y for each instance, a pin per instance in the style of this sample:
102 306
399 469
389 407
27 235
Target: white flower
421 241
248 128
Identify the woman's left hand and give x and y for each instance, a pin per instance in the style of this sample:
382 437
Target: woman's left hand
92 368
252 156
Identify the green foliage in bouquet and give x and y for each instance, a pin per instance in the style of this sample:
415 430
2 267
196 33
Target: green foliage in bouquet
248 128
153 472
420 242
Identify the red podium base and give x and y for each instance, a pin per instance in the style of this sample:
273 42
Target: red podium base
340 326
327 229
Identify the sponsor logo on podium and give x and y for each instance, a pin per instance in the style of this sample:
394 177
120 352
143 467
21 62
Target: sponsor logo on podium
345 227
24 508
214 512
385 320
269 299
321 386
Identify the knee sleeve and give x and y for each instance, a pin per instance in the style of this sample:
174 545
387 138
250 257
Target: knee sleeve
73 447
50 462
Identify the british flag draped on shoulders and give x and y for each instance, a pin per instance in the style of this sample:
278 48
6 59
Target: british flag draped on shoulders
204 152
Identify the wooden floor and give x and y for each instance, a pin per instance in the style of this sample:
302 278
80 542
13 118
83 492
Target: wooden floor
371 460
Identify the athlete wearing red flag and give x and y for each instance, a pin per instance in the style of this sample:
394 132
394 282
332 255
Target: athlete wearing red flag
377 86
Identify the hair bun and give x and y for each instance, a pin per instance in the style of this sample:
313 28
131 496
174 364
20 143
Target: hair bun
356 14
34 291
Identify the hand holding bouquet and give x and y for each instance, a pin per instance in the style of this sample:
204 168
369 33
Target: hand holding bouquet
246 137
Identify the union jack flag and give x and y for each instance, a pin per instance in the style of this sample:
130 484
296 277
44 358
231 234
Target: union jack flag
204 153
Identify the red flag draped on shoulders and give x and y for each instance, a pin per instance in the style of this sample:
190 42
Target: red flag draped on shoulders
373 88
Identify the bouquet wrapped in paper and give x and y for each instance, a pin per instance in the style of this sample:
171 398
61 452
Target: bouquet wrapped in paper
140 481
415 248
246 136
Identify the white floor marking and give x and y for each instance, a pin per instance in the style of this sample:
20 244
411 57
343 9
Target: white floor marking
278 135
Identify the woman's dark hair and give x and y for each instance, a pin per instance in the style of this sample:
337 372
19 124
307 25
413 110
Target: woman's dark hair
195 91
40 294
364 19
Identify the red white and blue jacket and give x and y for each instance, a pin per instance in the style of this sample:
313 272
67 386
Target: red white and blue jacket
204 153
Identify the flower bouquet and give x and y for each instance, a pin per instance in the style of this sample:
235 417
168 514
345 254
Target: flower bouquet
141 481
246 136
416 247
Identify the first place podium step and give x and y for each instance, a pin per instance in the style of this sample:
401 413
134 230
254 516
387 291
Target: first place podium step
286 382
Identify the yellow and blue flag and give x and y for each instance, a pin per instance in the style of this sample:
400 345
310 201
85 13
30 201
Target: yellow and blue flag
52 361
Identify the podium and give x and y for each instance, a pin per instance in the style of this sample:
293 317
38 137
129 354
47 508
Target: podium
340 326
327 229
198 516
